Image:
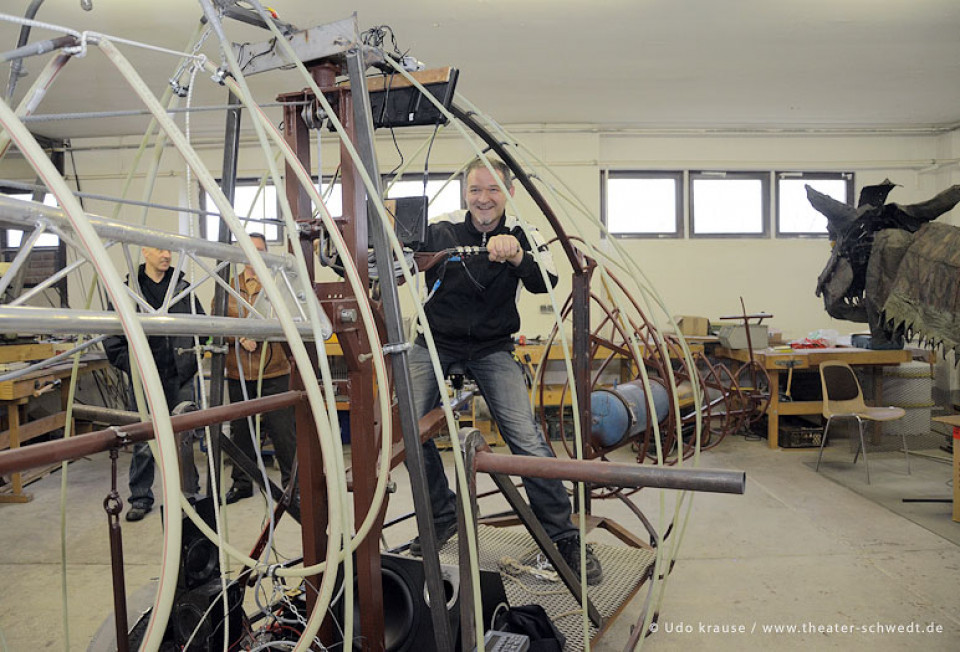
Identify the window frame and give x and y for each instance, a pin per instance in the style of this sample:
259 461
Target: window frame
849 177
763 176
435 176
678 176
16 193
245 182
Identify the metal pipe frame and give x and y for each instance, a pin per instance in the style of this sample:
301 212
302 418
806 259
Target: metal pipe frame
165 324
54 321
52 452
57 117
529 520
363 124
29 187
19 214
610 474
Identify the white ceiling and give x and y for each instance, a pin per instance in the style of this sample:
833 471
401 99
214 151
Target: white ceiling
647 64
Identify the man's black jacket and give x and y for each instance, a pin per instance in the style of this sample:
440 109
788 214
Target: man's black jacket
170 364
473 308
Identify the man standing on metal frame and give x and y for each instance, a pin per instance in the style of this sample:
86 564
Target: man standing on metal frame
472 311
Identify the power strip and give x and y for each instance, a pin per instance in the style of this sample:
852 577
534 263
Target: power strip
495 641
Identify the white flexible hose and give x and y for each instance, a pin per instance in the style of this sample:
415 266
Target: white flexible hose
338 504
35 95
290 331
141 355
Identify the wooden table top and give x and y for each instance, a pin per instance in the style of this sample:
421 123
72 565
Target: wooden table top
807 358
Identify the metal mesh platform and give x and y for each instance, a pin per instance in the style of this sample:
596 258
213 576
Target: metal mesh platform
624 570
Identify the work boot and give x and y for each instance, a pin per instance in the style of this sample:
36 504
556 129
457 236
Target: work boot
237 493
570 551
444 533
137 512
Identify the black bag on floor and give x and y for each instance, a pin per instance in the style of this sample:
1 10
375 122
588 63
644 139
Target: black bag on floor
532 620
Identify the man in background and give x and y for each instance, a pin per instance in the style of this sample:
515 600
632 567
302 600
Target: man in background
242 370
176 362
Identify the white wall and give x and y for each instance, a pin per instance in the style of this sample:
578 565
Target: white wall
702 276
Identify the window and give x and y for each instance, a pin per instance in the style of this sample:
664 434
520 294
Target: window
442 198
795 215
729 203
332 197
643 204
251 203
15 236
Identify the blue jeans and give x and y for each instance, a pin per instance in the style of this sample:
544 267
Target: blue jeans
500 381
142 465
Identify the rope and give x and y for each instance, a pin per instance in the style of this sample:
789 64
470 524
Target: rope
89 36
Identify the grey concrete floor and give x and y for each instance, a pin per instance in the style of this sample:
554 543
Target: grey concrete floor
798 550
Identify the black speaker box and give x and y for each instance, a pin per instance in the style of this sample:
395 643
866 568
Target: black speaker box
404 106
408 624
410 221
199 558
197 617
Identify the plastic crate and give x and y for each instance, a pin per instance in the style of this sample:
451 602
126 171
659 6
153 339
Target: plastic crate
798 433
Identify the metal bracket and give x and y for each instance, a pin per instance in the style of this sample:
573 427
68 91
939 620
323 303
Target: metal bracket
400 347
310 44
123 438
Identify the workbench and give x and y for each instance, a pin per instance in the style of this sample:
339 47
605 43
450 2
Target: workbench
776 362
15 395
954 422
620 370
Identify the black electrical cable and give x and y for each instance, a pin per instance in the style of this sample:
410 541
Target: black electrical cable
426 170
68 145
269 50
393 133
477 284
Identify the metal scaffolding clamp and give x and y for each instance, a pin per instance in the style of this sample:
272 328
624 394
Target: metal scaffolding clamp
400 347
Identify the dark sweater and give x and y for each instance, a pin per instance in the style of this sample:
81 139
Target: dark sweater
170 364
473 311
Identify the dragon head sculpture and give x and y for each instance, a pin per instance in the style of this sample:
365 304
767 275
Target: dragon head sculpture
849 292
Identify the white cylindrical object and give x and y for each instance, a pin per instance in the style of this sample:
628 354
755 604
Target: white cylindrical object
910 386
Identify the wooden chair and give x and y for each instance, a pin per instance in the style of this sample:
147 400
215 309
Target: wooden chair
843 398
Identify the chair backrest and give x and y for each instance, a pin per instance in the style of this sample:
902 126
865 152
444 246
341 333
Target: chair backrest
841 389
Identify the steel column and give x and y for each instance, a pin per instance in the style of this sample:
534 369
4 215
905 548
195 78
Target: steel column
355 117
312 479
228 184
397 339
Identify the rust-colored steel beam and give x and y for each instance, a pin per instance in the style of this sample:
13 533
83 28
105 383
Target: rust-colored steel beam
51 452
106 416
613 475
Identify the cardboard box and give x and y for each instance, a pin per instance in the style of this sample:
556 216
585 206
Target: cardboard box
691 325
954 420
735 337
